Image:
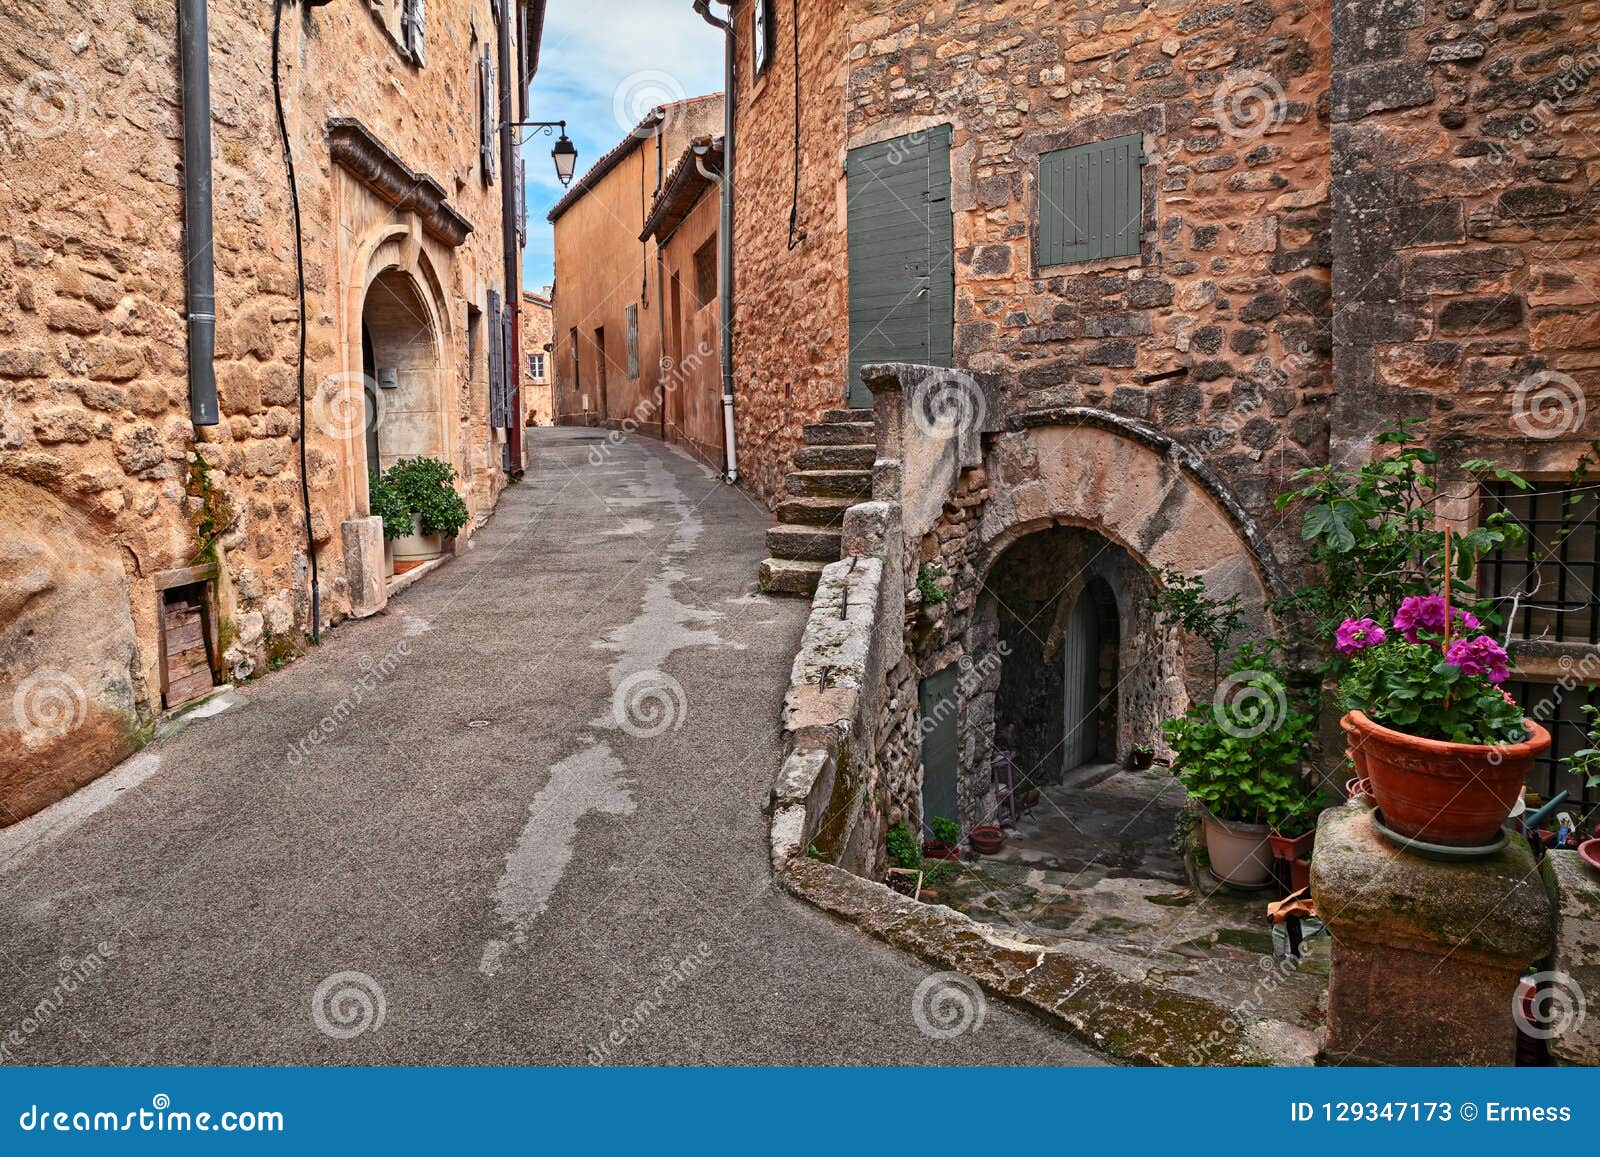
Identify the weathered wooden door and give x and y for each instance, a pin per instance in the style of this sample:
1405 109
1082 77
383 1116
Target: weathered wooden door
937 695
1081 685
902 254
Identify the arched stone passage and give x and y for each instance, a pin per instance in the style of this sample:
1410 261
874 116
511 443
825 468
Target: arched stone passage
1084 670
401 346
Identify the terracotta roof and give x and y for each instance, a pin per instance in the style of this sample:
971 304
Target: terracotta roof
641 132
682 189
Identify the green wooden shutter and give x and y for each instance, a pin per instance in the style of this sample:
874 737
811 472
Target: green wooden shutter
1090 201
902 265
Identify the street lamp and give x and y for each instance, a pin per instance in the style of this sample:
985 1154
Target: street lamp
565 154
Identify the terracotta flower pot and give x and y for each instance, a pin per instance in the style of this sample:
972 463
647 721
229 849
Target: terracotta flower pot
1239 853
1139 760
935 850
1299 874
1453 794
987 839
1292 847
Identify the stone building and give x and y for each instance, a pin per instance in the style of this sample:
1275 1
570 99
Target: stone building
538 315
153 549
610 317
683 224
1153 259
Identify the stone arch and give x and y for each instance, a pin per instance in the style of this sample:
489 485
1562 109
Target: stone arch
400 337
1140 489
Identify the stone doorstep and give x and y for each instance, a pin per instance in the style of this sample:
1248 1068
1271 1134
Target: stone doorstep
1128 1018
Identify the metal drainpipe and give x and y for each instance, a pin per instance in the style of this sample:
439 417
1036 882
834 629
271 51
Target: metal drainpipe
199 267
508 229
725 237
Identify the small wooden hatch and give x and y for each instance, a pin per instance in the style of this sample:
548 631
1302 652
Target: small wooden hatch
187 633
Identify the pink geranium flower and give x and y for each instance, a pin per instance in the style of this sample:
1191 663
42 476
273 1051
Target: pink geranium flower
1480 655
1357 635
1420 613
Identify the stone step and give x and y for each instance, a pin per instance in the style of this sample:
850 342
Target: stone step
835 457
838 434
787 576
805 543
816 511
861 415
830 484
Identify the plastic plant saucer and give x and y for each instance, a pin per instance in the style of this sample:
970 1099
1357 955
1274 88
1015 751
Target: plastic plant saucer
1590 851
1444 853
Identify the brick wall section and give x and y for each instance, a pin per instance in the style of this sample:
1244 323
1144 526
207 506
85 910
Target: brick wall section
94 420
1465 220
791 336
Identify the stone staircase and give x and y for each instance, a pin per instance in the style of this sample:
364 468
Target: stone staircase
832 472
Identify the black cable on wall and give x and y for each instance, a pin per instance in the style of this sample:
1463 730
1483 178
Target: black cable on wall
300 290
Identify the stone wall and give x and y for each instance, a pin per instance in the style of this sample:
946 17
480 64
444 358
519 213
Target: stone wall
791 336
1465 225
94 417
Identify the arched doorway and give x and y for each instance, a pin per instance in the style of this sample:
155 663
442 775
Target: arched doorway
402 388
1086 671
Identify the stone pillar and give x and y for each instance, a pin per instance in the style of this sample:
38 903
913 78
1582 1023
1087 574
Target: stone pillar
364 566
1426 955
1573 1000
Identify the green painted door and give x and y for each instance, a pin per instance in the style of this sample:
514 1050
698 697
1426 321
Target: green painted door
902 254
937 696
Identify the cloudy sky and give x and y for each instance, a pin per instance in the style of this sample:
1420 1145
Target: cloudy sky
603 66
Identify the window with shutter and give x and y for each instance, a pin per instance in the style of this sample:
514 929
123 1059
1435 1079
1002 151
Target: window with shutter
497 364
632 316
411 25
1091 201
764 34
487 108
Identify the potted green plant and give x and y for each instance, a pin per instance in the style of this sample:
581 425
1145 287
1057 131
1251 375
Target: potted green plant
1445 748
1141 756
946 842
905 862
1239 758
420 508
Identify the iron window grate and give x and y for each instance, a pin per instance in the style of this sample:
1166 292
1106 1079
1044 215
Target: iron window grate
1551 578
1560 710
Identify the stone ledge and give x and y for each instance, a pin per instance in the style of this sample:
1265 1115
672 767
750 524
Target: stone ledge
1128 1019
355 147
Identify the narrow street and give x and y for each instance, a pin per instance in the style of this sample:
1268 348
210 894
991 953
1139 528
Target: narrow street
445 800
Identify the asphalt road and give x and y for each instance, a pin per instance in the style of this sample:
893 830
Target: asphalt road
514 819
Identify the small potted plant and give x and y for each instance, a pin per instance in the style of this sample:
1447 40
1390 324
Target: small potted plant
905 862
1445 748
1239 758
420 508
1141 756
1294 831
946 842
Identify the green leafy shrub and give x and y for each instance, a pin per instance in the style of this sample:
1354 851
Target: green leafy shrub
385 502
423 486
947 832
902 846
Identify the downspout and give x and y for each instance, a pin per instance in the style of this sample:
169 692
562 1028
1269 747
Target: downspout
199 268
725 235
512 255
